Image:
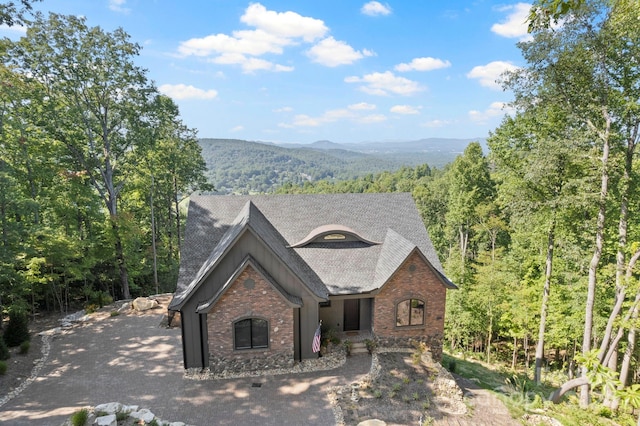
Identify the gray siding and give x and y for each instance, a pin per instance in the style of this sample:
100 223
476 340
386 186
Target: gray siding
195 337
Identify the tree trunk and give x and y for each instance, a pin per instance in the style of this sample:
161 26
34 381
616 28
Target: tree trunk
537 375
514 355
566 387
153 238
525 343
593 265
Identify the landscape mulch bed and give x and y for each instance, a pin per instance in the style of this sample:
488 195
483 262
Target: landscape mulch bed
401 394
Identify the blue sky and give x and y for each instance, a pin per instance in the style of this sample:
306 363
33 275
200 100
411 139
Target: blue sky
302 71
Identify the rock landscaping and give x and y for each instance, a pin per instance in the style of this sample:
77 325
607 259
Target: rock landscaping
117 414
400 388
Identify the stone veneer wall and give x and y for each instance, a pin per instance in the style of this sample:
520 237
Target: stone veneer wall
238 302
413 280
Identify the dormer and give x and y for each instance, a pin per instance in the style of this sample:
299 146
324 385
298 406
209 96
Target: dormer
334 235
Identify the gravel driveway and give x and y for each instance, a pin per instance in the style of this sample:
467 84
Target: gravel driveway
131 359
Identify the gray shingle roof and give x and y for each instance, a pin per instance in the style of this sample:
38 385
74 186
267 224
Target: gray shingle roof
283 220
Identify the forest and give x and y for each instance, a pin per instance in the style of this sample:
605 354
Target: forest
541 233
94 163
244 167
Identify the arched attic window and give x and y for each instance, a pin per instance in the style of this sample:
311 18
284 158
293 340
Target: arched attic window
250 333
410 312
333 234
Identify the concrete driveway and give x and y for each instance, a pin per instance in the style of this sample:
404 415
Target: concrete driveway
132 360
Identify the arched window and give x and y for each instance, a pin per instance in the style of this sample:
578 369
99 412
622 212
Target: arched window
251 333
410 312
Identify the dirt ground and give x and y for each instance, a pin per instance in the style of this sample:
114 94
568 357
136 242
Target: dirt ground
408 392
19 366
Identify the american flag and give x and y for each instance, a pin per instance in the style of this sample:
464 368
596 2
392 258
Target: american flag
316 340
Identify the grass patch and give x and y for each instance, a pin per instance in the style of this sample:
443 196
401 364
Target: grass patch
80 417
24 347
484 376
3 368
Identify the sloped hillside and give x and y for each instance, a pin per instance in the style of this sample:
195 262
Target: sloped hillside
251 167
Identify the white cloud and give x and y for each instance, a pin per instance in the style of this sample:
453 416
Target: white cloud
374 8
283 109
249 42
182 91
250 64
496 109
284 24
118 6
435 123
423 64
273 31
362 106
355 113
490 74
372 118
332 53
516 23
385 83
404 109
237 129
15 29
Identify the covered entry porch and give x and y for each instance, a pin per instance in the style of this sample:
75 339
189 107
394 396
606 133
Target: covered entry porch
351 315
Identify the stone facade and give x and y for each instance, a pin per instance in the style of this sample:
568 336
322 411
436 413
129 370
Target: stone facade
250 296
413 280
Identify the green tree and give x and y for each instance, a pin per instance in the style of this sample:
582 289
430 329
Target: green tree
94 96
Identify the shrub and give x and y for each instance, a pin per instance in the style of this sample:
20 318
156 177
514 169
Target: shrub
24 347
91 308
4 351
3 368
114 313
18 328
80 417
371 345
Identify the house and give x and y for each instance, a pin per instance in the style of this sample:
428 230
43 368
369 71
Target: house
258 273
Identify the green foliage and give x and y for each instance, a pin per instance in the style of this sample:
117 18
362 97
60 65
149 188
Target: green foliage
236 166
3 368
24 347
17 330
121 416
80 417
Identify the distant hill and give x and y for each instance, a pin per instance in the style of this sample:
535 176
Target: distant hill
248 167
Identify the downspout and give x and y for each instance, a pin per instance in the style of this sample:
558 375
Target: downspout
299 336
184 348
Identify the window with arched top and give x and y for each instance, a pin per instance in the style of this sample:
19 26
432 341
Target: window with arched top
410 312
251 333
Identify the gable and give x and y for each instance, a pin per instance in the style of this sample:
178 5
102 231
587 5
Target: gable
250 263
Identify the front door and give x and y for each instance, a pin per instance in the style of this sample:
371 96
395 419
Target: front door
351 314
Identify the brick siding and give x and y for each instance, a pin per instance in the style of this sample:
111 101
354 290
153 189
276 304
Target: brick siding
261 301
415 280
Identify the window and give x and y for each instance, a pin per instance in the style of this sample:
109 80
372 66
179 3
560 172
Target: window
251 333
410 312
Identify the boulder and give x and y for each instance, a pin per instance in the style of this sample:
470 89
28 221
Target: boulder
125 307
109 408
145 415
108 420
144 304
372 422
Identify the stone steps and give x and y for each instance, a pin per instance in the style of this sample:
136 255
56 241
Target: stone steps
359 348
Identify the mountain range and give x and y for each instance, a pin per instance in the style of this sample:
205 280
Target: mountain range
240 166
